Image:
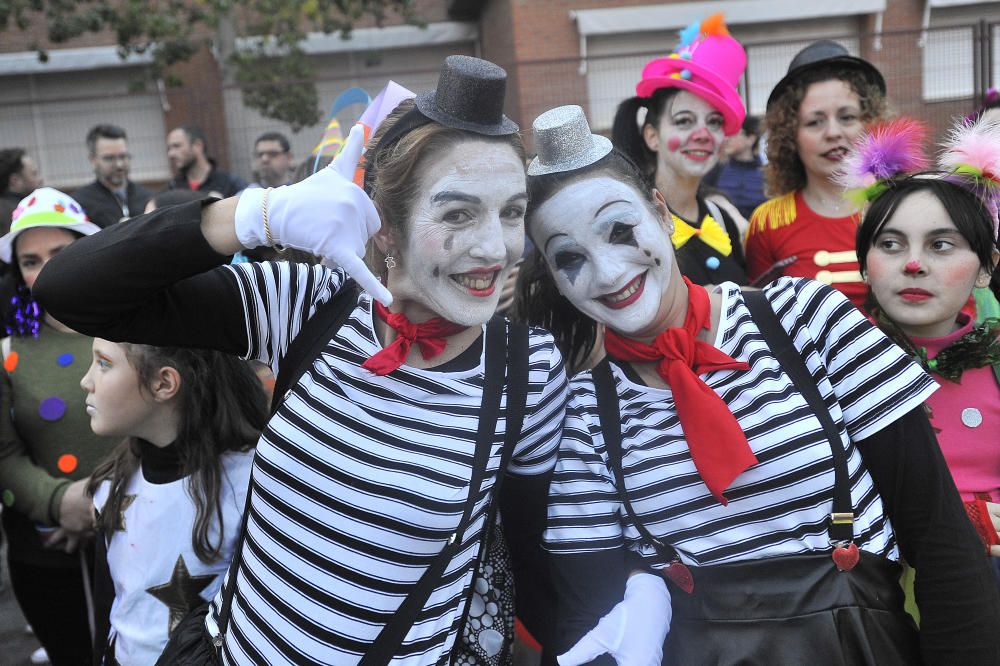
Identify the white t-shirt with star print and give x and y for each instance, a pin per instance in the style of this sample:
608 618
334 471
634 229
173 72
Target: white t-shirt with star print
156 574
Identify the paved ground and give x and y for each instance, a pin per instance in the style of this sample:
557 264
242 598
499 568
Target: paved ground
15 644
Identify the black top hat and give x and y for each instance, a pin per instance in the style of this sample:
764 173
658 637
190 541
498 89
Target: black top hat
821 54
469 96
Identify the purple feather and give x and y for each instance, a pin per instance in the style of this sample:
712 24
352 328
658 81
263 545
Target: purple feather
885 151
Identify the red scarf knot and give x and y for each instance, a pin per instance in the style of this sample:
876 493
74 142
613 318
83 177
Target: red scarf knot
718 446
429 335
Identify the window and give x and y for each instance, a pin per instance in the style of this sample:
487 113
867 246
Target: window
50 114
948 63
768 63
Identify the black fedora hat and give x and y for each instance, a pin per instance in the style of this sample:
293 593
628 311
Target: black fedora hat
469 96
821 54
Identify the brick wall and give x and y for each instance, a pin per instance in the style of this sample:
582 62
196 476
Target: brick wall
546 45
199 102
497 44
901 60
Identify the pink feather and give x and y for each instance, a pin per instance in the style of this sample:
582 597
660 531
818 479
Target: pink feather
886 150
973 144
972 153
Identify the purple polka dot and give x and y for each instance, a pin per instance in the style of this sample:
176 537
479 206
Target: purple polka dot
52 409
65 359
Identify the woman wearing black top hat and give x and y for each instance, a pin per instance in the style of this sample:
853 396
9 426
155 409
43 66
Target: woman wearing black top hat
814 114
364 471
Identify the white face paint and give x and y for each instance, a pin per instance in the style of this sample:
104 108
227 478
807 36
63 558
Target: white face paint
464 234
609 253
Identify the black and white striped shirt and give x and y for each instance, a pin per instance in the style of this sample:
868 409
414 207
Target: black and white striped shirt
781 505
359 480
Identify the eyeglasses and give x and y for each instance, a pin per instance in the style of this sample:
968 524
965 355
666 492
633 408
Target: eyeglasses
112 159
269 154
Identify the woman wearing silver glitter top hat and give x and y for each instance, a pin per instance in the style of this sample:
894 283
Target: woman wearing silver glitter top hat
765 452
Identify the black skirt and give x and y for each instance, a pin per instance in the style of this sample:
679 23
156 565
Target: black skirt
793 610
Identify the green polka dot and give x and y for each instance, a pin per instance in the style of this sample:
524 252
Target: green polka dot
8 497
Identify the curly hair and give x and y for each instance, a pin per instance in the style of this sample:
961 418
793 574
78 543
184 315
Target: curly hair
784 171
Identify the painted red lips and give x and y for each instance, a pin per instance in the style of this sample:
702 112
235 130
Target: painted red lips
627 295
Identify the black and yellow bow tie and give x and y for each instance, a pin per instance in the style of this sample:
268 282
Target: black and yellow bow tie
710 233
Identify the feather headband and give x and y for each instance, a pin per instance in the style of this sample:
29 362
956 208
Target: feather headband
886 151
971 157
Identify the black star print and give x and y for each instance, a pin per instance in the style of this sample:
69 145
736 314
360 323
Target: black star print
181 594
126 503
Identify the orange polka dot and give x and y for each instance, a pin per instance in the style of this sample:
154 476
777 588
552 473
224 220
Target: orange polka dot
10 362
67 463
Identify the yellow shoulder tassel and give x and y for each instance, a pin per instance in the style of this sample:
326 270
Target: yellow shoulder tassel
773 214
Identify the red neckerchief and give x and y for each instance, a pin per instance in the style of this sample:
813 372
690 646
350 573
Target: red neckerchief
430 335
719 448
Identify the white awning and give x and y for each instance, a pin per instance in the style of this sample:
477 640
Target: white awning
647 18
925 22
68 60
938 4
391 37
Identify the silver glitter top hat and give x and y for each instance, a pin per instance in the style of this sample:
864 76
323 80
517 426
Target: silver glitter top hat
564 142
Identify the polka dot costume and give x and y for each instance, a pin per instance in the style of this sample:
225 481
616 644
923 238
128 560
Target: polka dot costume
45 435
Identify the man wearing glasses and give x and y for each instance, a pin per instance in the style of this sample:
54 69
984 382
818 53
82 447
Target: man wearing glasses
112 196
272 160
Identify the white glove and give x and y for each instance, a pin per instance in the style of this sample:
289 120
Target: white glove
326 214
633 632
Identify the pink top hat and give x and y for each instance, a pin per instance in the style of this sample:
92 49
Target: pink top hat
708 63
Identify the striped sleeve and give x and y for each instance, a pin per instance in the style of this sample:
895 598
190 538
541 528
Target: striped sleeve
874 381
584 509
278 298
543 420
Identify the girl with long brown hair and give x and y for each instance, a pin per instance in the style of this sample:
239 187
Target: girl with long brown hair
170 497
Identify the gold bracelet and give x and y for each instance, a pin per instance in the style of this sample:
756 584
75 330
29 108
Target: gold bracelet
267 228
